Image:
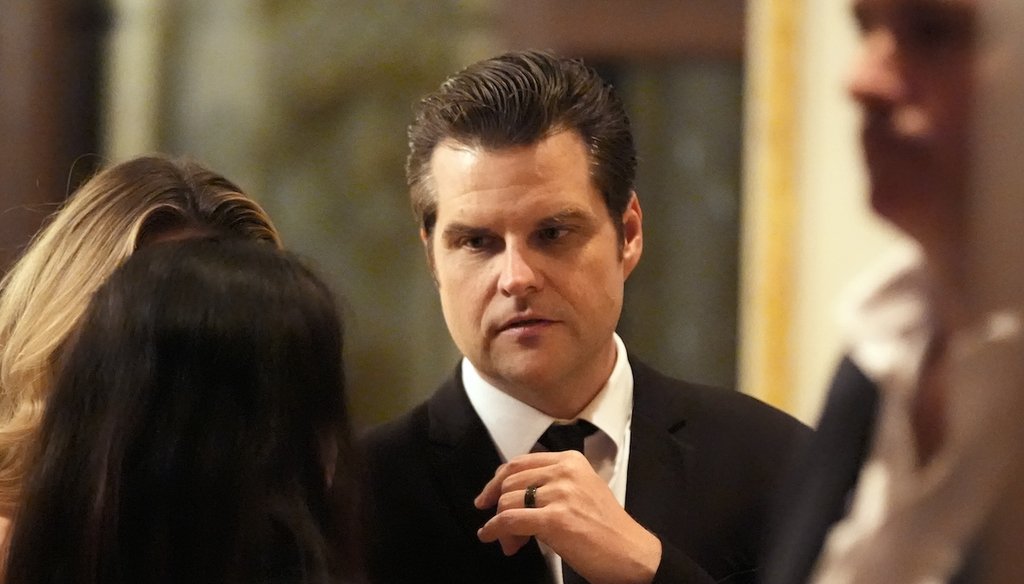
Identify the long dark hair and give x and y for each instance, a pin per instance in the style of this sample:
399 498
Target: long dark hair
198 430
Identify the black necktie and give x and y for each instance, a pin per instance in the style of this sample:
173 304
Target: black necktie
559 438
562 437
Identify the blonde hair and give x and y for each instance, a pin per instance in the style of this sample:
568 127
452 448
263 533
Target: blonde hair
45 294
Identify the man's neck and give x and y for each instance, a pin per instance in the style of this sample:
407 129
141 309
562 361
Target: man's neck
564 401
947 271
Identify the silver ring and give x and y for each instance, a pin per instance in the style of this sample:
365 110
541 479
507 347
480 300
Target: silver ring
530 497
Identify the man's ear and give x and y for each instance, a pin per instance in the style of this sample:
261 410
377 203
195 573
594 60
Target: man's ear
632 234
428 250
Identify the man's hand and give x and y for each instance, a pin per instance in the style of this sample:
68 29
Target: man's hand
575 514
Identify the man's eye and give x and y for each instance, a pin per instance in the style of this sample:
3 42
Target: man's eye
552 233
476 242
938 30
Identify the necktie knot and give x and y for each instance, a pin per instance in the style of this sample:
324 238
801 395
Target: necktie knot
562 437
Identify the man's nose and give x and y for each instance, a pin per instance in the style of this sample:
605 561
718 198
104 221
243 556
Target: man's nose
876 78
519 275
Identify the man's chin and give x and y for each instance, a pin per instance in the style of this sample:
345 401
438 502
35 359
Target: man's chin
520 377
526 374
895 203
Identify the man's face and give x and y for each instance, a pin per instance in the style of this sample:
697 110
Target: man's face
913 80
530 268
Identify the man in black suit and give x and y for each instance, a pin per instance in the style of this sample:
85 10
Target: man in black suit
550 456
905 465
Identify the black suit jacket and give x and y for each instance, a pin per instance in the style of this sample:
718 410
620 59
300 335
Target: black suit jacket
819 490
702 466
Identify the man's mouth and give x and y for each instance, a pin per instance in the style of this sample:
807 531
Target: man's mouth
884 135
524 323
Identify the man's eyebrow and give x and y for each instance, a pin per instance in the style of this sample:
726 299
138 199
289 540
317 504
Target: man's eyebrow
951 11
565 216
456 230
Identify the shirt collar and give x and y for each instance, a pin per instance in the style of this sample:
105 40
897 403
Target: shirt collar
515 426
888 319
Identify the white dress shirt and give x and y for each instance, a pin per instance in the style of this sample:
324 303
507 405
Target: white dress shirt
515 427
908 522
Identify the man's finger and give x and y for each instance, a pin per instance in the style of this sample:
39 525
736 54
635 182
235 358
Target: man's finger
511 544
488 496
522 471
513 522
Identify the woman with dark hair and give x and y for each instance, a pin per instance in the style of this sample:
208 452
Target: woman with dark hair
197 429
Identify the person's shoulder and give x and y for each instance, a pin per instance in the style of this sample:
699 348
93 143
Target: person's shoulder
398 431
393 451
708 405
413 427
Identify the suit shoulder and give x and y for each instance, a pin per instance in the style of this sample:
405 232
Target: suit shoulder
745 410
396 435
717 409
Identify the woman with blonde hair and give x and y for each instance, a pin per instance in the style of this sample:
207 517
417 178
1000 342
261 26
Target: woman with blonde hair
42 299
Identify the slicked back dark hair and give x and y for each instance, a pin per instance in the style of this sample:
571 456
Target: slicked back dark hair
190 430
518 99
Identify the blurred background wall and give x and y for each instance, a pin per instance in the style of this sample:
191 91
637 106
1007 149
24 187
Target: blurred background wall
747 150
305 103
51 59
807 228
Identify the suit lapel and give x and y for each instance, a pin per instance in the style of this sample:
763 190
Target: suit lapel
659 464
463 459
819 488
